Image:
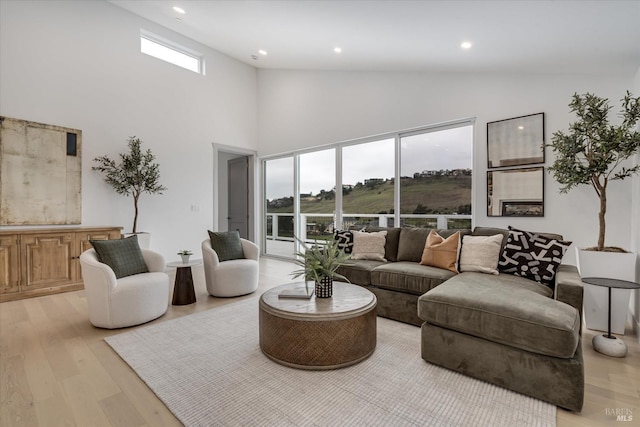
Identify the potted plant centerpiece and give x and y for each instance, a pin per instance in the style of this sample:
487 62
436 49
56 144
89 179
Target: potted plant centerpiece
320 263
594 152
136 173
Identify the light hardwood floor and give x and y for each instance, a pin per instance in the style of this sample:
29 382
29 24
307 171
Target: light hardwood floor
56 369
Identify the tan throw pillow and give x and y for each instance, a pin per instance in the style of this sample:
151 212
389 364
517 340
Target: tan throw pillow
481 253
440 252
369 245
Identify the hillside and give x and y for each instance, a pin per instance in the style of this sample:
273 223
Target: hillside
426 195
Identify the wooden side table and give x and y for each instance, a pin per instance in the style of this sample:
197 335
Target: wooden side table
183 291
610 344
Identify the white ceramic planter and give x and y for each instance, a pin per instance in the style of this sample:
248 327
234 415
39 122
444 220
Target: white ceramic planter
596 298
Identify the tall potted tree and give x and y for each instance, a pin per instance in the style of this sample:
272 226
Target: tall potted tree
594 152
135 174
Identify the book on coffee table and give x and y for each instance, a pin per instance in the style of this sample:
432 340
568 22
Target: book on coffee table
297 293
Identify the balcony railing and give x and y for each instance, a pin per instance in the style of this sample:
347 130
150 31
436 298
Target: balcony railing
321 226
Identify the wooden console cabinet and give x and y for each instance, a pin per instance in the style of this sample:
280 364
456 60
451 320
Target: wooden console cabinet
36 262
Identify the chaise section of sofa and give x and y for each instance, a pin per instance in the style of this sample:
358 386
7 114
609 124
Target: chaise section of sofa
504 329
508 331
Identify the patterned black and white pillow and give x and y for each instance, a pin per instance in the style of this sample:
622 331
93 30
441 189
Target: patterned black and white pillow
345 240
533 256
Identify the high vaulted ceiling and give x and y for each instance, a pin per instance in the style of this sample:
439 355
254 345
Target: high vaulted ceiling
507 36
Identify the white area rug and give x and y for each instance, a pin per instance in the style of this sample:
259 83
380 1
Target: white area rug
209 371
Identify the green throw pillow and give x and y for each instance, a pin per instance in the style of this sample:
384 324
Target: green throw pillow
227 245
122 255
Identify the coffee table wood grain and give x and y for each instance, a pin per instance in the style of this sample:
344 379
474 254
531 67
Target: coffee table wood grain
318 333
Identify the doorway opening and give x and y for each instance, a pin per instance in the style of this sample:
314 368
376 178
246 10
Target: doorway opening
234 184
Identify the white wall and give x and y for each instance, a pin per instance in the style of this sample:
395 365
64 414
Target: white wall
307 108
635 228
78 64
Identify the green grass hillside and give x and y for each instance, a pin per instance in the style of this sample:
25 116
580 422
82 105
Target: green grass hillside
429 195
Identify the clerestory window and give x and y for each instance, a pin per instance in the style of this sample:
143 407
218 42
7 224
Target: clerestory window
171 52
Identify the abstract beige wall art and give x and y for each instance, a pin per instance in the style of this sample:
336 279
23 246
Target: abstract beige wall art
40 173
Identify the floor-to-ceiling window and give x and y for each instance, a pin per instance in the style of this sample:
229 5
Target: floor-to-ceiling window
279 206
368 175
435 178
317 193
417 178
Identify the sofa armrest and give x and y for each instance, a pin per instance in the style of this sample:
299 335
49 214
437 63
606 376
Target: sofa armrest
569 288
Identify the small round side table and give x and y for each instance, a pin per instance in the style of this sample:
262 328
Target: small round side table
183 291
606 343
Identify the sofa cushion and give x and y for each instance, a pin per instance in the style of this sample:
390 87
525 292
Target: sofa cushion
505 311
391 244
227 244
412 241
440 252
369 245
408 277
345 240
358 272
492 231
122 255
480 253
533 256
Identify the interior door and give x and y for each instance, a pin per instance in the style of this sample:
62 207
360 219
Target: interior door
238 179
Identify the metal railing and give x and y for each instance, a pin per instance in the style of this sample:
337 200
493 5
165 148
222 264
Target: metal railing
280 226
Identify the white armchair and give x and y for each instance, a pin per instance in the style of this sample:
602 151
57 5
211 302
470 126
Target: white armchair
233 277
132 300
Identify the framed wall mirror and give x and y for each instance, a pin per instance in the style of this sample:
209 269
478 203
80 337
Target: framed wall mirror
515 142
516 192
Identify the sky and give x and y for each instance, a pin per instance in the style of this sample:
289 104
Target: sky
446 149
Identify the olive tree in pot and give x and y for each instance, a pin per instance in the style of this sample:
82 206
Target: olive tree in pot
595 153
136 173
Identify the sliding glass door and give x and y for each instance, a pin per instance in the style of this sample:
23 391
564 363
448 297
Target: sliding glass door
279 207
435 178
317 194
368 172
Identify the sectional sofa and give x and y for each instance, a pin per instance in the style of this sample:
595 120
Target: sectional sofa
504 329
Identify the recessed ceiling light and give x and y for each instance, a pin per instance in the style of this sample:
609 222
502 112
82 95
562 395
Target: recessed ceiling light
262 52
521 127
337 49
466 45
179 10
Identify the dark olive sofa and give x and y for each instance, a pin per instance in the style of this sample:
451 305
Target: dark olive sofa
399 282
503 329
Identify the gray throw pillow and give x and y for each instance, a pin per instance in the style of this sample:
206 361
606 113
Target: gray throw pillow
226 244
122 255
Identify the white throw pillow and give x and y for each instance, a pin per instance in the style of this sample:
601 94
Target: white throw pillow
369 245
481 253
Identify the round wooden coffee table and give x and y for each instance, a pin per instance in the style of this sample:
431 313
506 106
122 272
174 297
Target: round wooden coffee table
318 333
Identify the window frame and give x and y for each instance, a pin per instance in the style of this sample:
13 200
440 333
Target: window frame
182 50
396 136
